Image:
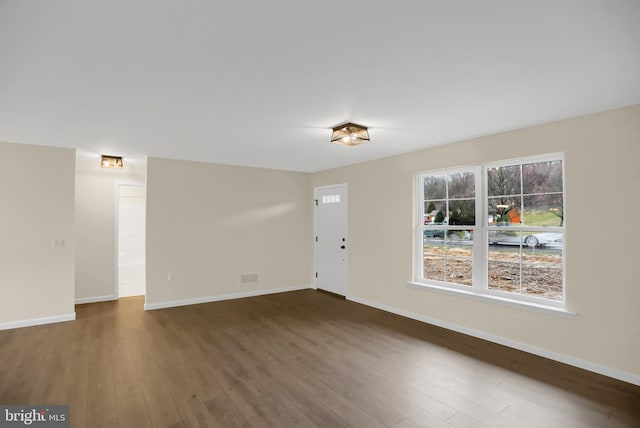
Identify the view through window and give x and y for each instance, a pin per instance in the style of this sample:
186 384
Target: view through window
494 228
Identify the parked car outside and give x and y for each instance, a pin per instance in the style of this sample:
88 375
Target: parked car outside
532 240
434 233
460 236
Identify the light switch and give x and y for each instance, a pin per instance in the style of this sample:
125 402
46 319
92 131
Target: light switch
57 243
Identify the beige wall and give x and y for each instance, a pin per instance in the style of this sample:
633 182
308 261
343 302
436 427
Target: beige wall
96 193
208 224
602 184
36 279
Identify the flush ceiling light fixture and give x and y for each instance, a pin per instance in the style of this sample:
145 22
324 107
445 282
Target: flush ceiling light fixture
350 134
111 161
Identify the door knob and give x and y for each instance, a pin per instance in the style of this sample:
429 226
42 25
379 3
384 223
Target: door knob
343 247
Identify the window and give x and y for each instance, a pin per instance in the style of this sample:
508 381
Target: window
449 224
331 199
494 229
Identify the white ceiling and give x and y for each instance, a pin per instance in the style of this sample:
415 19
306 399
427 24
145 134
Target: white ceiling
260 83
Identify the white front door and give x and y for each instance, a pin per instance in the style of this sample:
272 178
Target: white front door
331 238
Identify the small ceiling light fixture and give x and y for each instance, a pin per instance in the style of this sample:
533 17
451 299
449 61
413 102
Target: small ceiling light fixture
111 161
350 134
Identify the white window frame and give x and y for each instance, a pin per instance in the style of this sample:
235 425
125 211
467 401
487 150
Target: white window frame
421 227
479 287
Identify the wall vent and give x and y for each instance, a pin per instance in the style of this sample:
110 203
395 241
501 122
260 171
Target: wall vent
247 278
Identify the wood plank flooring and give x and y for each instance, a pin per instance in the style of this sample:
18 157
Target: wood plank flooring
304 358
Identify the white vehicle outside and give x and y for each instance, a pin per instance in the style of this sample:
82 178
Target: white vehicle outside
507 237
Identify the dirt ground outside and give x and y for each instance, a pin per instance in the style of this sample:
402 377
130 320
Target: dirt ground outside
530 272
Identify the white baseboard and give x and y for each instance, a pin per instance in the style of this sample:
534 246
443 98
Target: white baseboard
208 299
37 321
84 300
576 362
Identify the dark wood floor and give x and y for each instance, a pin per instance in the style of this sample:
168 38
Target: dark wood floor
302 358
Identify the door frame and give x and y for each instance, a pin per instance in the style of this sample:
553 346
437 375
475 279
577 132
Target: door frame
344 186
116 240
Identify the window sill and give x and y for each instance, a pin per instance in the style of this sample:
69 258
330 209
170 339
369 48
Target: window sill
504 301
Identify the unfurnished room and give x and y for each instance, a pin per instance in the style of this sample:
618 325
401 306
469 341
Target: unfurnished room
319 214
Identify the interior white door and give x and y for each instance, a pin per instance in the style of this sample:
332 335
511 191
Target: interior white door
131 240
331 248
